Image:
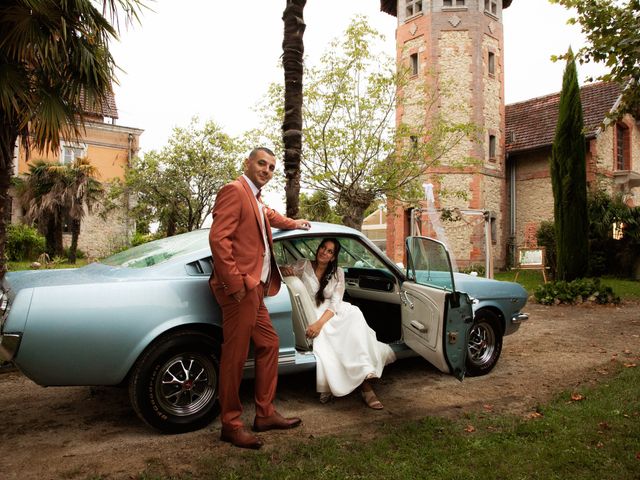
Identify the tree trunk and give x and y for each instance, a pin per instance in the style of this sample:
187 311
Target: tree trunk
292 60
75 234
171 222
352 209
48 231
58 246
8 138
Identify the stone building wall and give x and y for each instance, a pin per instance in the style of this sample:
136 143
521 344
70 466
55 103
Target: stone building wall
102 235
493 103
534 194
453 45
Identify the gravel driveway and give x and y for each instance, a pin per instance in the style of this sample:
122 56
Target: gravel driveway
77 432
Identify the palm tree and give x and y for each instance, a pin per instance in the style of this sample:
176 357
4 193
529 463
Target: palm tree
55 64
52 193
79 193
292 60
40 206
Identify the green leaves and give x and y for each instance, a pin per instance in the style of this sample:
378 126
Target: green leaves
53 57
353 151
569 180
612 30
176 186
576 291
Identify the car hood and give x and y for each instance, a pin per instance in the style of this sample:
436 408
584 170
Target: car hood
93 273
480 287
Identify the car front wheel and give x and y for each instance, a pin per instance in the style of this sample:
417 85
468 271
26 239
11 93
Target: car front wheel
485 344
174 385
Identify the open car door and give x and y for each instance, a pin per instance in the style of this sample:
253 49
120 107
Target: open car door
436 320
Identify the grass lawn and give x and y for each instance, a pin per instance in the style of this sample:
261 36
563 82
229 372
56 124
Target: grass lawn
15 266
530 279
591 434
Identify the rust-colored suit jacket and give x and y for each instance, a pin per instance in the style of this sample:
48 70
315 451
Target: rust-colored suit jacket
236 240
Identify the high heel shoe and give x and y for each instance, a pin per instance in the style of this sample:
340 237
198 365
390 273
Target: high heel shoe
325 397
370 399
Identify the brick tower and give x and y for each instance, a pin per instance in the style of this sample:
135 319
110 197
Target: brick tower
455 48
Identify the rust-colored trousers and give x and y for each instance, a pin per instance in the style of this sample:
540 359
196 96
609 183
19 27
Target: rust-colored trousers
242 322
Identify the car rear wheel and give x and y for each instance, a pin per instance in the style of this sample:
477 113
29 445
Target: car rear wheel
174 385
485 343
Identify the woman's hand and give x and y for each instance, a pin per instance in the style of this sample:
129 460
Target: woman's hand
286 271
313 330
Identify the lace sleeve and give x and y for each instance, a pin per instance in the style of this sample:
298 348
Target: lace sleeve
298 267
338 291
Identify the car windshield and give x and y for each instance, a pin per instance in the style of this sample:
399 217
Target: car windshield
158 251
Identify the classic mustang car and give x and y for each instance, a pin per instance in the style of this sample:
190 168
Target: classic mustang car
145 318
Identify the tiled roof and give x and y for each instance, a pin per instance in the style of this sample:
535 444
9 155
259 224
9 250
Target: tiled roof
532 124
107 109
390 6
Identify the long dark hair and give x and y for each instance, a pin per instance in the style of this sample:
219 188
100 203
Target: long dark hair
331 270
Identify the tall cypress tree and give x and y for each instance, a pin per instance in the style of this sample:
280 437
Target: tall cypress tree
569 180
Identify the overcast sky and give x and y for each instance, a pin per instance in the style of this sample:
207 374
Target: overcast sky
215 59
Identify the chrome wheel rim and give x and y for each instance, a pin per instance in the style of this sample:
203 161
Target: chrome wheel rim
482 343
186 384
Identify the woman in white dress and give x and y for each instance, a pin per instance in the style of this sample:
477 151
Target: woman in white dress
347 352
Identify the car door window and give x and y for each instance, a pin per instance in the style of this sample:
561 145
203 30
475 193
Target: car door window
428 263
436 319
352 254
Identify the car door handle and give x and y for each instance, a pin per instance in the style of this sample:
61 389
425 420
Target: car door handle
405 299
418 326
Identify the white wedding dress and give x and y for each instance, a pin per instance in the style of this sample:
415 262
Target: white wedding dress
347 351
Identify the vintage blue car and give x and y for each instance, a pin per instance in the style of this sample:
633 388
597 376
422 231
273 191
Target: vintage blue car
145 318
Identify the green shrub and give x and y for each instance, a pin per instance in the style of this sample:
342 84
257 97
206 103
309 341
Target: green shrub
79 253
546 237
140 238
576 291
23 242
474 268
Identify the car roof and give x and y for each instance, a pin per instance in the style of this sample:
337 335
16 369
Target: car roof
317 229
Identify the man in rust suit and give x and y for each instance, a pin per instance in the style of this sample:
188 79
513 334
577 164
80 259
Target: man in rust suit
244 272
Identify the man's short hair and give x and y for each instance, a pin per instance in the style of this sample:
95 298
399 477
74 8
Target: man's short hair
255 151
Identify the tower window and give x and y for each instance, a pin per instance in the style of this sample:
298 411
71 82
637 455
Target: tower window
492 63
622 147
414 7
492 147
491 6
414 64
452 3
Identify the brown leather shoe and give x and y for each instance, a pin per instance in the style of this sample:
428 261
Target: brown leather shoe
240 437
275 422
